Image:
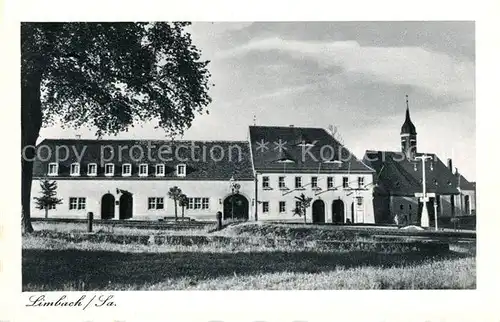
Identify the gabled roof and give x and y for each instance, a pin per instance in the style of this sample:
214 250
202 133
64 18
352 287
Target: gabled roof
397 175
464 183
204 160
308 150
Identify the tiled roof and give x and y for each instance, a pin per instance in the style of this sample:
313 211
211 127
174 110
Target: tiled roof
230 158
299 154
464 183
396 175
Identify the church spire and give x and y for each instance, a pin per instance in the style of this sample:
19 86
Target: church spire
408 126
408 135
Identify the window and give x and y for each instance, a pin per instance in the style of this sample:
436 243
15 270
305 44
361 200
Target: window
160 170
361 182
345 182
77 203
143 170
265 207
82 203
360 201
92 169
109 169
282 207
155 203
181 170
52 206
281 182
75 169
126 169
204 203
329 182
297 204
401 207
53 169
409 207
197 203
265 182
73 203
314 182
298 182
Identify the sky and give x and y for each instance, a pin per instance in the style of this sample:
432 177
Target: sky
351 75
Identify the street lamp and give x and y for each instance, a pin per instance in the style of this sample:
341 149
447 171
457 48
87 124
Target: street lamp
424 222
235 188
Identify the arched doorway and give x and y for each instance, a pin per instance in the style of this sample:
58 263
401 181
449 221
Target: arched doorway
338 211
126 203
318 211
108 206
236 207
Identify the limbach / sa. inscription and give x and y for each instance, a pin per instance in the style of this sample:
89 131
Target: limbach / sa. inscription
84 301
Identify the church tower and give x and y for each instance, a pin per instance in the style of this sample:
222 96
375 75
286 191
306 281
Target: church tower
408 135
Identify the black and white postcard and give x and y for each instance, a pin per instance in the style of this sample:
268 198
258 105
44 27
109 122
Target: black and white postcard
163 155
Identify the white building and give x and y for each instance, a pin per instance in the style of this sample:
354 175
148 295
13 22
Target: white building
123 179
289 161
255 180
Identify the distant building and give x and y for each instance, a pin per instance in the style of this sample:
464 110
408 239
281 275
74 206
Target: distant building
465 201
398 178
314 163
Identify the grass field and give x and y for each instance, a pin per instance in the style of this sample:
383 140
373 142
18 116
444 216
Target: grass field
52 264
112 229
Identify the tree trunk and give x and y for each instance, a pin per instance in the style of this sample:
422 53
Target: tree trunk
182 213
305 217
31 122
46 212
175 210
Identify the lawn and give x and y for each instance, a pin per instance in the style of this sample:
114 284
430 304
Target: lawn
52 264
81 227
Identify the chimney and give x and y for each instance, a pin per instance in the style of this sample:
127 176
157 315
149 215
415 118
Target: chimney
450 165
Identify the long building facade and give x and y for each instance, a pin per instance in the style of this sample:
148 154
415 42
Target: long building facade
258 179
120 179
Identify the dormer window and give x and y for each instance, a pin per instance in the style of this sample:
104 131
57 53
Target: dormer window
53 169
126 170
181 170
304 141
109 169
160 170
75 169
332 161
92 169
143 170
